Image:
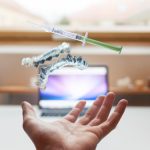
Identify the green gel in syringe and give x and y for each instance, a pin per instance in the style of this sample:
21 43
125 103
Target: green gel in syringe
102 44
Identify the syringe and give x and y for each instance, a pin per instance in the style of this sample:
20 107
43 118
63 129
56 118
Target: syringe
78 37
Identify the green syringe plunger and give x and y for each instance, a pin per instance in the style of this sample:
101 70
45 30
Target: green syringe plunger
102 44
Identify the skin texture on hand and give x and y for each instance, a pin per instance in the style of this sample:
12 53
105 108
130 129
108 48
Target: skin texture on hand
71 133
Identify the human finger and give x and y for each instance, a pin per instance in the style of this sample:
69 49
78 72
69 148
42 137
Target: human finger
75 112
92 111
104 111
28 115
107 126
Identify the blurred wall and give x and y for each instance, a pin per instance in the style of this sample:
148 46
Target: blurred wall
12 72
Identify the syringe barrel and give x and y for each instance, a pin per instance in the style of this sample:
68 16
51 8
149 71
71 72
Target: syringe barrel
67 34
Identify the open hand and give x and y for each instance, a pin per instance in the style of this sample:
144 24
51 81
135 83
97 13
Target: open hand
72 134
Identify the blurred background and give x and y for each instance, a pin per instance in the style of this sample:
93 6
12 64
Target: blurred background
120 22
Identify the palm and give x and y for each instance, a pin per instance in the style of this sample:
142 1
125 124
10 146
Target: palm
70 133
83 137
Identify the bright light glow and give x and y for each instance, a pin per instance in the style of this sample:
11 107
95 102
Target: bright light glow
54 9
73 86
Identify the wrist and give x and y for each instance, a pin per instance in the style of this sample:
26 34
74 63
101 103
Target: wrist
50 147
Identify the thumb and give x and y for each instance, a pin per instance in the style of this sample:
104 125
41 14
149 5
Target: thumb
28 115
27 110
